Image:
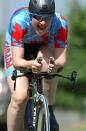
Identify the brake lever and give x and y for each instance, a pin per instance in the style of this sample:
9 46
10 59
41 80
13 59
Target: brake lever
39 59
52 60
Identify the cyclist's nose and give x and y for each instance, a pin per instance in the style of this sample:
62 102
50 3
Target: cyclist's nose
42 22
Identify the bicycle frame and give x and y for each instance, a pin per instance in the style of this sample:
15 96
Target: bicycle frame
38 96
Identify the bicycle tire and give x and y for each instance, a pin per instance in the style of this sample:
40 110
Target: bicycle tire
42 121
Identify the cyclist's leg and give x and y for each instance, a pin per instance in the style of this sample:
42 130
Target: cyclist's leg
49 86
50 91
16 109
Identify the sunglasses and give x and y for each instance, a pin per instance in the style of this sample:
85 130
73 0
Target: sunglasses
40 18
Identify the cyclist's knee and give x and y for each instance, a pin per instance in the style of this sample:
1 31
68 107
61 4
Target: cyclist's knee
19 98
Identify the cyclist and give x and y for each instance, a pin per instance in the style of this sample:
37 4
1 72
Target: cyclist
34 31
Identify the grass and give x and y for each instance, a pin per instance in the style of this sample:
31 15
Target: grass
76 61
65 96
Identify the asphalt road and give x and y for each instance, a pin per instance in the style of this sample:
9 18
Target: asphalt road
71 121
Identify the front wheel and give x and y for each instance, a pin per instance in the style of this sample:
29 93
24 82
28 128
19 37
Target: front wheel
41 121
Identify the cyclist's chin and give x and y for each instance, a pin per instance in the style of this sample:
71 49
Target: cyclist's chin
41 31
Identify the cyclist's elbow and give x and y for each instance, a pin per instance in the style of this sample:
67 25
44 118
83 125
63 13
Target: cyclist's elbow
61 62
16 63
61 65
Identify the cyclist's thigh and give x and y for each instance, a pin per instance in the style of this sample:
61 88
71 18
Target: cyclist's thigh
21 84
49 89
51 84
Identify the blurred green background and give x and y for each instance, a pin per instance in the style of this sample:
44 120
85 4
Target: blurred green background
69 98
76 15
76 97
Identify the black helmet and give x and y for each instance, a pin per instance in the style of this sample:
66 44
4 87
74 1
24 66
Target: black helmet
42 6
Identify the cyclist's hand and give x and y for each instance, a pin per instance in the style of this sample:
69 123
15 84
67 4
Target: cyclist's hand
51 68
36 67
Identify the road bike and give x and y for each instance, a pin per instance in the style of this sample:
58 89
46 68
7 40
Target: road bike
37 105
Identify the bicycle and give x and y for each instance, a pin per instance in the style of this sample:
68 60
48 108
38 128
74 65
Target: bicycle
38 104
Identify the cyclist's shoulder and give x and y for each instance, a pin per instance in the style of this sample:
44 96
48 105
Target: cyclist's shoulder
59 22
20 15
60 19
23 10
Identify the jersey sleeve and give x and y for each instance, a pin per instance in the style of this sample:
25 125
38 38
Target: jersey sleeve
18 30
60 40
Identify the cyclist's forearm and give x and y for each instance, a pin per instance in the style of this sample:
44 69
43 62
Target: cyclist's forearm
22 63
61 57
60 64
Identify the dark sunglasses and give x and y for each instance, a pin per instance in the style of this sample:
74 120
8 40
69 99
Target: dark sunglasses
40 18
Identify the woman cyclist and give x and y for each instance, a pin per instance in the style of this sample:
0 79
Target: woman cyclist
34 31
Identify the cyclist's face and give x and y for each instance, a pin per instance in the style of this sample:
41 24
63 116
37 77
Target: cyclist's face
41 25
